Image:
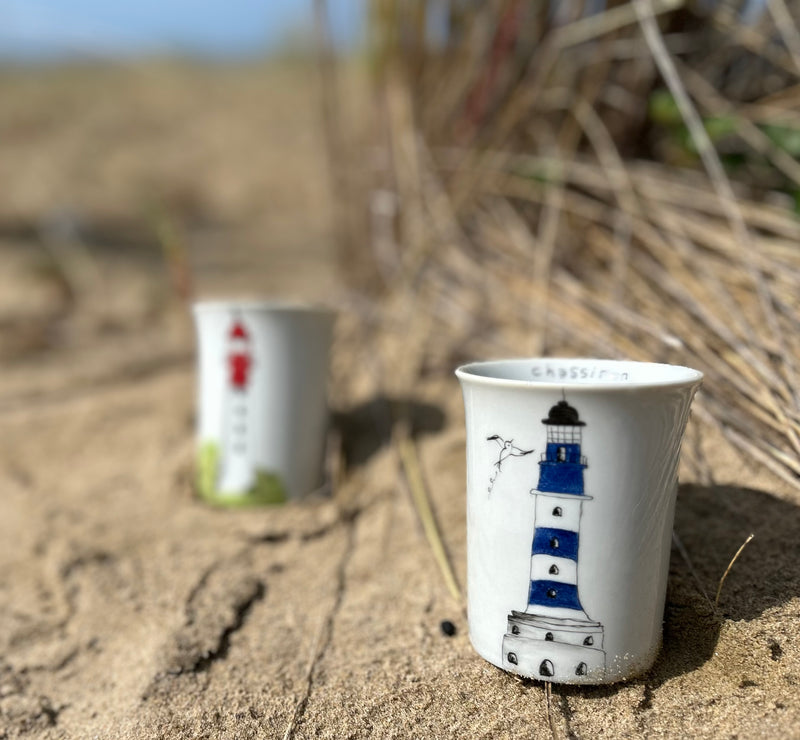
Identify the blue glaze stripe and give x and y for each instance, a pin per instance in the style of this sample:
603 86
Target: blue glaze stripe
552 593
558 543
560 477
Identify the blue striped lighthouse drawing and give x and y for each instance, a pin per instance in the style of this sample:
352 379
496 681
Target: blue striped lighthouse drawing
553 638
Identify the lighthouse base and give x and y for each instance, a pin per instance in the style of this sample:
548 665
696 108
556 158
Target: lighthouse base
555 649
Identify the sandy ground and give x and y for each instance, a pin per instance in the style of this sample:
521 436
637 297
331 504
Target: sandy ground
129 609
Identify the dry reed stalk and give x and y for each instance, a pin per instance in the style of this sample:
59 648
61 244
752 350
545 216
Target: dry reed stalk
784 23
409 460
728 569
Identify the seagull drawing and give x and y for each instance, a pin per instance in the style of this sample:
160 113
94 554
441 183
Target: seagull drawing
507 449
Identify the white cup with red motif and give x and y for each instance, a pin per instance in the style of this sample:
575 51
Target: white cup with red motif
262 402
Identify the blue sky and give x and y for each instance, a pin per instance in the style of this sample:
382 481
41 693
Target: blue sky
47 28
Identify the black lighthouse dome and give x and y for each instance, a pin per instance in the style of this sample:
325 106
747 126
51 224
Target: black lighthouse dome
563 415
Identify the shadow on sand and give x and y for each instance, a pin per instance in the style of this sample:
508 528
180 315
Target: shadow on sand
367 427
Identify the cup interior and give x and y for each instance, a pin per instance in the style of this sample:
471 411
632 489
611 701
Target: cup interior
262 306
578 372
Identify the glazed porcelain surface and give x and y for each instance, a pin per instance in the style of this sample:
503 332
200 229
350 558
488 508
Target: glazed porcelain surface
571 487
262 409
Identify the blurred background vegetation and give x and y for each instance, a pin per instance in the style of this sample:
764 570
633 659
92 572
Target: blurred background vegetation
465 179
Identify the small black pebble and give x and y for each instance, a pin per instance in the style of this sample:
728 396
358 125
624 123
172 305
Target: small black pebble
776 651
448 628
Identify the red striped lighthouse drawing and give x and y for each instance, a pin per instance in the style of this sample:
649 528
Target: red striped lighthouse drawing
236 470
239 359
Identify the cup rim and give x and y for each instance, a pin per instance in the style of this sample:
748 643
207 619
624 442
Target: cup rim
261 305
673 376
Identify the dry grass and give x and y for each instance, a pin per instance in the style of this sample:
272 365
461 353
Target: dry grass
620 184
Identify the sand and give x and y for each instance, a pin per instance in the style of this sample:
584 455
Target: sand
128 609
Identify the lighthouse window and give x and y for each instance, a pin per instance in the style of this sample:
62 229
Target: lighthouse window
564 435
562 454
546 668
515 630
549 637
554 543
551 593
557 511
553 570
589 640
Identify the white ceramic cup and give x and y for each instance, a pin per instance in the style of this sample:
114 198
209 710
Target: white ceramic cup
262 408
571 487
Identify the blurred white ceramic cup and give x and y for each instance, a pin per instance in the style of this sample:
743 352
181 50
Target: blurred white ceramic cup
262 402
571 486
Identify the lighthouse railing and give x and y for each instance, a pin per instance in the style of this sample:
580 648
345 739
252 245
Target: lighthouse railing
583 461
